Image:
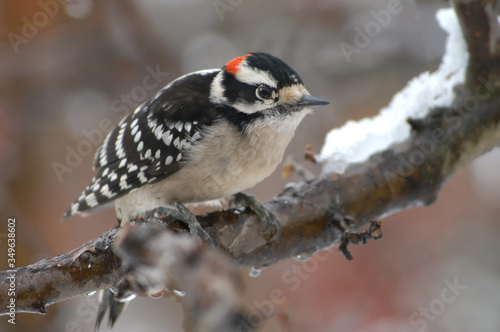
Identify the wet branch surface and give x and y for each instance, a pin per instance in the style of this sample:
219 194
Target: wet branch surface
314 214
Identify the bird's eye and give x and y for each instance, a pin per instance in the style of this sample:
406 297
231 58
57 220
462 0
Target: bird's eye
264 92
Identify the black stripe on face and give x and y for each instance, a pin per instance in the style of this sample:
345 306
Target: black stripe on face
238 92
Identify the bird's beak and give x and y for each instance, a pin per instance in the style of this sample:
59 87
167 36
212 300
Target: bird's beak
308 100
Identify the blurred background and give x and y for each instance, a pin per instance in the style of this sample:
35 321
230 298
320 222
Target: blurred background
69 70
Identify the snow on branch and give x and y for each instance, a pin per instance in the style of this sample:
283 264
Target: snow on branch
357 140
438 123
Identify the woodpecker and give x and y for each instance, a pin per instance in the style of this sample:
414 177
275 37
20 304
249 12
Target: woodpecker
205 136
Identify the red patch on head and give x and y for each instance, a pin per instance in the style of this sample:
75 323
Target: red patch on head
232 66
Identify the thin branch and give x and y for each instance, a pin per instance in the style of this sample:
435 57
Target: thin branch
314 214
479 22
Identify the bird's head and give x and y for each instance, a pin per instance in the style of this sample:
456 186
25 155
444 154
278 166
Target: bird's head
260 82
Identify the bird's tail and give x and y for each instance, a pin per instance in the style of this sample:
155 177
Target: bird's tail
107 302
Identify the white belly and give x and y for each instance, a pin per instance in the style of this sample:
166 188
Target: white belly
217 168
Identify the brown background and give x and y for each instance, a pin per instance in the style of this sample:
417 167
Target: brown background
66 76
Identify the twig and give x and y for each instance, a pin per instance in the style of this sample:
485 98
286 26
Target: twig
292 166
374 233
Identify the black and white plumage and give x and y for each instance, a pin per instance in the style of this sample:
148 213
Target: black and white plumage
148 145
205 136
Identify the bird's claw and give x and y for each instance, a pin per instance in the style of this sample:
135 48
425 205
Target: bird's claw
183 214
250 202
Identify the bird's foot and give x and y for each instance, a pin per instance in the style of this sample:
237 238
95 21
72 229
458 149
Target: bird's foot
183 214
250 202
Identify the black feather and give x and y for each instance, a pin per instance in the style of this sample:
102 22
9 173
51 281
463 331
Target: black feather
168 112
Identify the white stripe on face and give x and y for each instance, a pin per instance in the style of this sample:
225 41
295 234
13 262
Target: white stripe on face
254 76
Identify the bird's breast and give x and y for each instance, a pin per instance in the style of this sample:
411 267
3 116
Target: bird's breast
221 164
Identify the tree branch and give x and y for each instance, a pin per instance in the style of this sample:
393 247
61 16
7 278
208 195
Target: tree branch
60 278
479 22
315 214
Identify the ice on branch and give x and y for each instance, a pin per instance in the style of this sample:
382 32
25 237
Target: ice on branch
357 141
